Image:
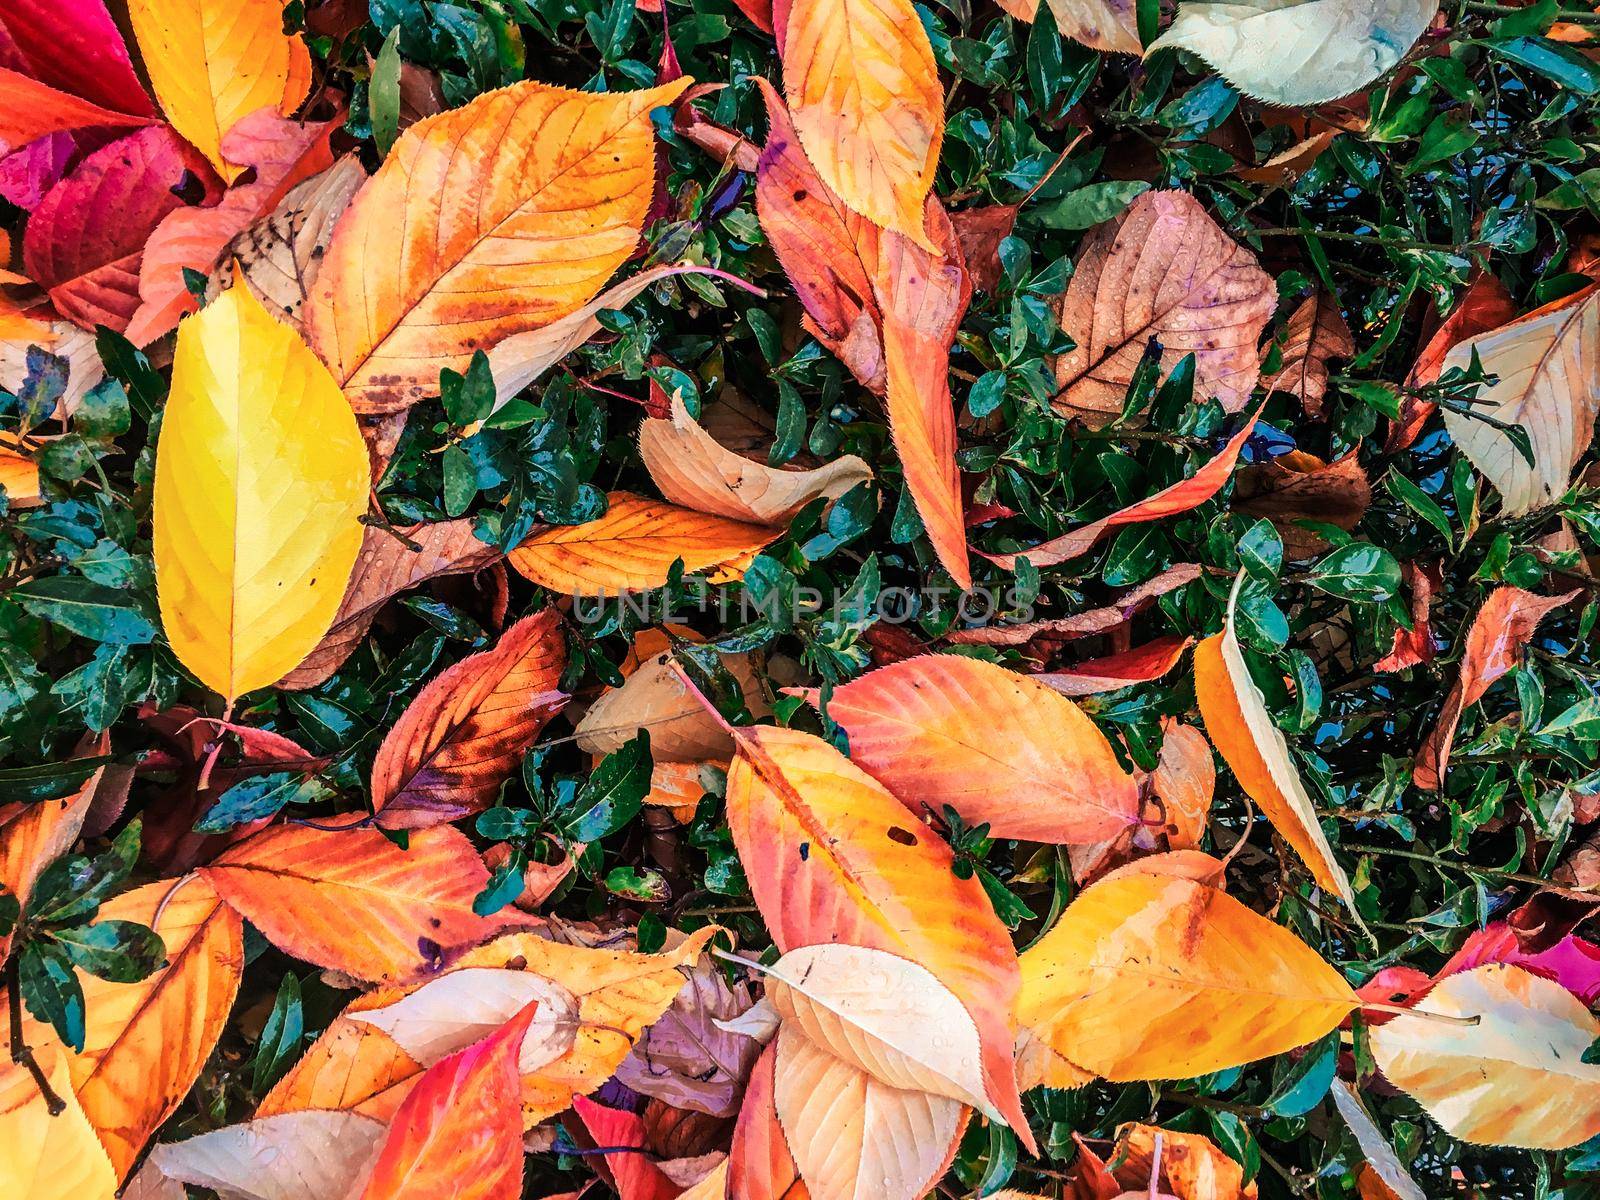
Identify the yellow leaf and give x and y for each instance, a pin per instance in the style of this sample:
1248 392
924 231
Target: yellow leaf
213 62
864 91
261 479
44 1157
1150 975
501 216
1299 52
1254 748
1516 1077
633 547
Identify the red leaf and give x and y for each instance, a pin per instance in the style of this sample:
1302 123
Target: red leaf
465 733
29 110
1485 305
637 1176
1415 646
74 46
1139 665
459 1131
86 237
760 1166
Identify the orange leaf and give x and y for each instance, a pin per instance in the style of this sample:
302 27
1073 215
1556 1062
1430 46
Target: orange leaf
1503 626
43 1155
1180 497
1139 665
351 900
32 836
636 1176
281 153
459 1132
30 110
833 857
760 1166
1297 487
1165 270
1151 975
465 733
886 306
1484 305
1255 750
633 547
386 565
1185 780
145 1042
500 216
1316 334
1415 646
864 87
925 729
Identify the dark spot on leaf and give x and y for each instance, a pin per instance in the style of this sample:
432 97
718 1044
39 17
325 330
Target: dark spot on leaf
904 836
805 851
189 189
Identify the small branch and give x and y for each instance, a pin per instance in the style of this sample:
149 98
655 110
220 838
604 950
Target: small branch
21 1052
1425 1014
1507 10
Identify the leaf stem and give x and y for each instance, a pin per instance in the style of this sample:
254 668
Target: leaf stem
21 1052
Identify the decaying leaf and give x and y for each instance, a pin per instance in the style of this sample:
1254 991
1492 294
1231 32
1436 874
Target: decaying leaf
1299 51
1142 951
1241 728
1296 487
288 1156
925 729
1315 336
261 478
1163 271
1115 671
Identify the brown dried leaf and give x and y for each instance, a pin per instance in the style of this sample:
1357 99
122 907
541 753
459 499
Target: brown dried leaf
1301 487
1316 334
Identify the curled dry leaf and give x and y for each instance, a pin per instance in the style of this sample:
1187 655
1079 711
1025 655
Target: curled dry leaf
465 733
633 547
1503 626
1297 487
1053 630
261 479
1315 336
1185 781
281 254
853 1135
1142 664
654 697
869 873
1179 497
146 1042
1242 730
85 240
691 469
1548 369
1162 271
925 728
1142 950
868 107
1299 53
1109 25
288 1156
349 899
214 62
459 1132
1484 305
390 561
1415 646
46 1156
551 179
886 306
1514 1078
281 153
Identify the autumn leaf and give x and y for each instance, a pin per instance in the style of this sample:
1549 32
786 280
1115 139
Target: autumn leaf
85 240
32 836
1415 646
887 305
868 107
619 1136
760 1165
74 46
633 548
1178 498
1142 951
1299 54
557 182
1163 270
281 153
214 62
1185 781
459 1132
1513 1074
45 1156
692 470
1241 728
34 110
1298 487
871 875
288 1156
349 899
260 454
925 729
1548 368
465 733
1315 336
1503 626
1484 306
390 561
1109 25
281 255
1116 671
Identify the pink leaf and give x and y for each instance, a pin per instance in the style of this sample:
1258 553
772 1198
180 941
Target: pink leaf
75 47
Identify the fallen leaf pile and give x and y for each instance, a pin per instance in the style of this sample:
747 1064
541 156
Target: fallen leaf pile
799 600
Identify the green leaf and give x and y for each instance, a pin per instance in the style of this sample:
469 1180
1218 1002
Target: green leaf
1359 571
74 886
116 951
50 989
613 793
257 798
47 781
281 1037
90 610
383 94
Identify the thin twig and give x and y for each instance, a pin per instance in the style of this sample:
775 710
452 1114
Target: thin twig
21 1052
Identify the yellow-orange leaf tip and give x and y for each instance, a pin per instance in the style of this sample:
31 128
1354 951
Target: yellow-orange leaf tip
261 480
